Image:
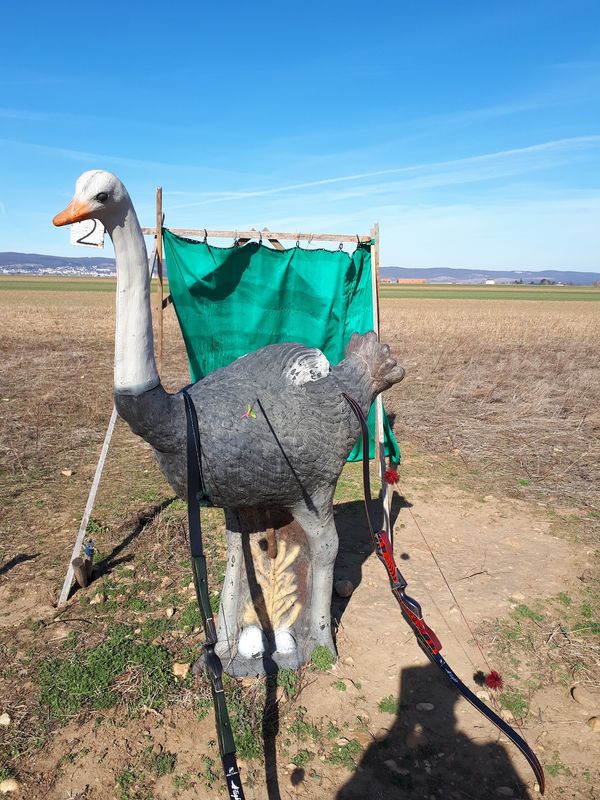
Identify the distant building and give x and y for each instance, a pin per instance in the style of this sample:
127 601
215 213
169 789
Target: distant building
411 280
490 283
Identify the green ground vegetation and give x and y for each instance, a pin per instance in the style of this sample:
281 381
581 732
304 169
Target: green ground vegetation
434 291
476 292
90 678
24 283
60 283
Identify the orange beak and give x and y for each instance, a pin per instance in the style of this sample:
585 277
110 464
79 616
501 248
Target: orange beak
74 212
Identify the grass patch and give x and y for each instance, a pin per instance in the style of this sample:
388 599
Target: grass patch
246 714
524 612
322 658
389 704
136 604
95 528
524 292
98 677
332 730
57 284
565 600
6 773
287 679
304 729
514 702
556 767
203 706
345 755
162 763
190 617
301 758
208 773
126 781
182 781
153 628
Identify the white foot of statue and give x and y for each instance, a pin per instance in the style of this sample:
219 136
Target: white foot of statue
284 642
252 642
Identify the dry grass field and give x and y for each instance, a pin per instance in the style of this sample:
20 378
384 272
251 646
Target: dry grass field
513 388
498 419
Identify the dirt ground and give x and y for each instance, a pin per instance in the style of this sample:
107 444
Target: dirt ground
514 535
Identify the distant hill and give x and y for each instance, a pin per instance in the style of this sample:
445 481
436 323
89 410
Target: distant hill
36 262
451 275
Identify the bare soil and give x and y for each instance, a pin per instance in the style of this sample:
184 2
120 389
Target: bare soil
499 482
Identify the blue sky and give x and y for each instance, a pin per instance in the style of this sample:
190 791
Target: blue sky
470 131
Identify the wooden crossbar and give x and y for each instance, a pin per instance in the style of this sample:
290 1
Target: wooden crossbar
365 238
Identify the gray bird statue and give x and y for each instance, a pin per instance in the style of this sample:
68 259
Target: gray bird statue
274 426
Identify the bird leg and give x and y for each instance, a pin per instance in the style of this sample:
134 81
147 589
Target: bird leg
228 628
321 534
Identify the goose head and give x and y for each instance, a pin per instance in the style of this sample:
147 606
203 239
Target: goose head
98 195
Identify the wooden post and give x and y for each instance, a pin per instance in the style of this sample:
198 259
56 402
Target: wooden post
158 299
88 510
81 573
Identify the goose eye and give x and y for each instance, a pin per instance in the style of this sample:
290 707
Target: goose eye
102 197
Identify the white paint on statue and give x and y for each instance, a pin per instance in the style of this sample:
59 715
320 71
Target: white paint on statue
311 365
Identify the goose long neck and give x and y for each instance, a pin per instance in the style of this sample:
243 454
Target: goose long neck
135 367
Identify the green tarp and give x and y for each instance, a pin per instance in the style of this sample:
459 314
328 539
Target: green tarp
233 300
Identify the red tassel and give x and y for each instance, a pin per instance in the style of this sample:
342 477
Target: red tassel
390 476
493 680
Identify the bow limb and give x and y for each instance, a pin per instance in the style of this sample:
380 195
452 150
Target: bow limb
411 611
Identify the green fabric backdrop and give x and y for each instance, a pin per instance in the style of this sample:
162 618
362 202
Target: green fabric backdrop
233 300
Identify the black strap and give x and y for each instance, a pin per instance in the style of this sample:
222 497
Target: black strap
198 496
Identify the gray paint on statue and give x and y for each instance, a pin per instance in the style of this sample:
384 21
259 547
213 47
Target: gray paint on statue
295 446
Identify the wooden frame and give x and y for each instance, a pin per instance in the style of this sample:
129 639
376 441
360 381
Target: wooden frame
274 238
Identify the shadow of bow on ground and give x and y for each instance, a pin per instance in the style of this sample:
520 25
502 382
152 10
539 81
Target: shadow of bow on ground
356 545
423 755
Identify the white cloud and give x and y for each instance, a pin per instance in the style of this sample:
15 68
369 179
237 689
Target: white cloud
504 162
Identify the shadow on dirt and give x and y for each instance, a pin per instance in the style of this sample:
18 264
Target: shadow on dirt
21 558
136 526
356 545
270 715
424 755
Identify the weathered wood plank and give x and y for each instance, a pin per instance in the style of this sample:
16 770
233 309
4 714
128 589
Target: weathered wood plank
200 233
